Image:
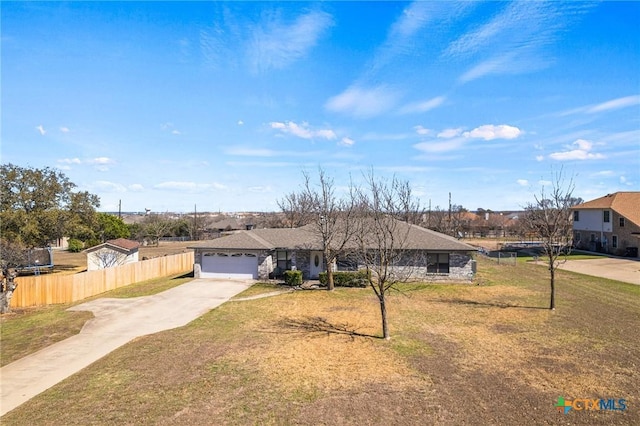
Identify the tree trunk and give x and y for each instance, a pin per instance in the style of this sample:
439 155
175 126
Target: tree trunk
330 284
383 313
552 303
8 287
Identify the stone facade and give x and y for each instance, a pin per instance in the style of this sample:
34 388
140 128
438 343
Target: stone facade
265 265
461 268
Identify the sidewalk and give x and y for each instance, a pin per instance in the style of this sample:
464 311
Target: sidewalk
116 322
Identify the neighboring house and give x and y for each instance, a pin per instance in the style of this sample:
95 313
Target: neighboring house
265 253
609 224
112 253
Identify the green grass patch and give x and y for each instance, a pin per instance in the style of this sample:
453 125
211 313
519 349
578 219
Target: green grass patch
146 288
25 331
261 288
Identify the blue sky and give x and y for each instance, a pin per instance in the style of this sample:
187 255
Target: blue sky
223 104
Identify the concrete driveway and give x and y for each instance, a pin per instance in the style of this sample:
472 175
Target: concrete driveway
625 270
116 322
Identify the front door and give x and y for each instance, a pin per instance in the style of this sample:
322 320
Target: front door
316 264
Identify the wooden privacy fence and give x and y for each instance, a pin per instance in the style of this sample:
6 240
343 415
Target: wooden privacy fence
58 288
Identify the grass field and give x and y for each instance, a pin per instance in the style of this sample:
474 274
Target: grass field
459 354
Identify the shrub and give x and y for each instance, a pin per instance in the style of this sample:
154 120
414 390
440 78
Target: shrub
293 278
346 278
75 246
92 242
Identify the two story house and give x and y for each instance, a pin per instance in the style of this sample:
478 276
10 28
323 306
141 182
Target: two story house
609 224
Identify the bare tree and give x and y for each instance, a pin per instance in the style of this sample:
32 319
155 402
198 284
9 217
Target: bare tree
155 226
297 208
436 220
330 218
106 258
382 237
549 218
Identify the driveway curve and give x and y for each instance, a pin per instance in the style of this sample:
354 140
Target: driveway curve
625 270
116 322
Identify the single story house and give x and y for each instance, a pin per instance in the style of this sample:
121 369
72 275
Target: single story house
266 253
609 224
112 253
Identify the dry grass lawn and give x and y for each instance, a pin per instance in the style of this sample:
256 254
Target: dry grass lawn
459 354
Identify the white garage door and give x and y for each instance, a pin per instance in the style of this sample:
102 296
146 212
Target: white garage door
229 265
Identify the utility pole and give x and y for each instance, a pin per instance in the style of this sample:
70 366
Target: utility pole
450 223
119 209
195 222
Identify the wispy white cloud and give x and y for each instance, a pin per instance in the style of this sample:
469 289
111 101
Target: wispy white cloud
41 130
422 130
362 102
275 44
107 186
441 146
610 105
240 122
579 150
260 188
267 164
450 133
422 106
100 161
346 142
64 129
70 161
135 187
251 152
454 138
413 29
302 130
372 136
405 169
489 132
169 127
522 182
187 186
515 39
625 181
604 173
267 153
614 104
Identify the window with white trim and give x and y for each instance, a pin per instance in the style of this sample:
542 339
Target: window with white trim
606 216
576 215
621 222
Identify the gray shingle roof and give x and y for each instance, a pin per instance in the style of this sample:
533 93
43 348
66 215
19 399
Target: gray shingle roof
414 237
